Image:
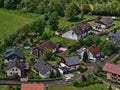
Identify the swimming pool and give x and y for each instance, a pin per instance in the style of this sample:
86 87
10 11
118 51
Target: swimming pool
26 47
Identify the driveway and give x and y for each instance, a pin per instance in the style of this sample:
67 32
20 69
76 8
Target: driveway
68 75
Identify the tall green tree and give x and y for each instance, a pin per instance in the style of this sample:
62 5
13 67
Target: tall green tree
1 3
38 26
47 54
71 10
53 20
85 56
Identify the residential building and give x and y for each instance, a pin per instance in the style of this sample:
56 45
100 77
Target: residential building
15 67
78 31
45 45
115 36
32 86
72 63
94 52
112 72
13 53
43 68
104 23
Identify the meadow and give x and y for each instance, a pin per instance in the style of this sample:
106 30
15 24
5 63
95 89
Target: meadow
10 21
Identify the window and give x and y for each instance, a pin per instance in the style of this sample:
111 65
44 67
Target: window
16 69
72 33
10 73
12 69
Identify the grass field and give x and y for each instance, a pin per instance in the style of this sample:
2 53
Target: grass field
10 21
7 87
69 86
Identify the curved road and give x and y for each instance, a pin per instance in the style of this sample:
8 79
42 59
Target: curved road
90 70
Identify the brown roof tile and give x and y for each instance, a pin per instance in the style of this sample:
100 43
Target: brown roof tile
108 67
94 50
81 28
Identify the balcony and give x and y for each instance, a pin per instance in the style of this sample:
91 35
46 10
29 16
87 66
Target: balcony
114 80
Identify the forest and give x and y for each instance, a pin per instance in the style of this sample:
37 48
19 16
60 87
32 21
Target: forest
64 7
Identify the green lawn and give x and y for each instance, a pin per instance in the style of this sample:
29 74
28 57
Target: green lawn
7 87
69 86
10 21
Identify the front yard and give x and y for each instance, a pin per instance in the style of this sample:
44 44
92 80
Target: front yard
69 86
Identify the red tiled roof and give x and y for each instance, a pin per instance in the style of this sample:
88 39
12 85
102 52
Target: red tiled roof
26 86
108 67
94 50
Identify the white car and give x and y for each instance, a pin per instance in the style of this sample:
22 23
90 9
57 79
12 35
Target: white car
68 79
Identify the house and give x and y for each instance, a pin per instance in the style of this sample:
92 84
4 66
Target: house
78 31
45 45
13 53
43 68
94 52
32 86
105 22
63 70
15 67
81 51
112 72
96 26
72 63
58 32
115 36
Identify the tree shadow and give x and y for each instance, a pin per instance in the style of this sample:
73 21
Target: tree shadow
76 19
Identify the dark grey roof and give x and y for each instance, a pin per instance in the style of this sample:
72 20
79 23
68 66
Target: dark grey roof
15 51
115 34
16 63
106 20
42 67
72 60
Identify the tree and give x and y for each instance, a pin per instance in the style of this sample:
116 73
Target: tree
85 56
108 47
38 26
83 78
32 60
53 20
47 54
58 73
11 4
88 41
110 88
1 3
31 40
97 40
52 74
71 11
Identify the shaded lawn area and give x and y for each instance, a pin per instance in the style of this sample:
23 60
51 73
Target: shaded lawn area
115 26
69 86
66 42
63 23
7 87
10 21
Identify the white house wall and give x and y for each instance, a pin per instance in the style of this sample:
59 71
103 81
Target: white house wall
74 67
68 34
46 75
13 71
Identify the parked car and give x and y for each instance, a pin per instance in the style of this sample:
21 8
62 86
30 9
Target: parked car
68 79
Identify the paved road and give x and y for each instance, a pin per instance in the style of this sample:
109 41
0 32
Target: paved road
90 70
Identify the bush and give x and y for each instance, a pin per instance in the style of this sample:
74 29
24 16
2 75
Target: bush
82 68
89 81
